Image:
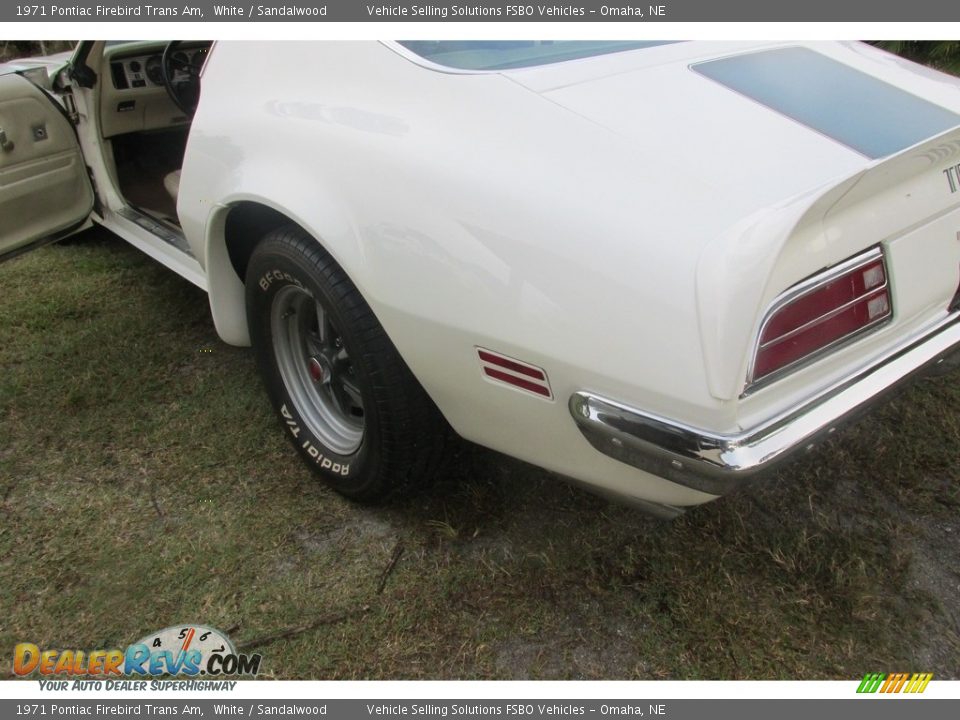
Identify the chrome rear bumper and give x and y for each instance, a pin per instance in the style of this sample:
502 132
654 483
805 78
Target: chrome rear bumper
718 463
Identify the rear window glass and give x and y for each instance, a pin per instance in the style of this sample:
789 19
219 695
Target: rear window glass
509 54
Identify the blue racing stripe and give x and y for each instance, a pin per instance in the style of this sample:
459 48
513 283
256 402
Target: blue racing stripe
873 117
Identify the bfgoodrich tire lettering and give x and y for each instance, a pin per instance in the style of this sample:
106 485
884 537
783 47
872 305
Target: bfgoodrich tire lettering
347 401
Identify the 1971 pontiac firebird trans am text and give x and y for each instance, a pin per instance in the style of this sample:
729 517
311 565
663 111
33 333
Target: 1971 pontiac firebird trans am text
517 241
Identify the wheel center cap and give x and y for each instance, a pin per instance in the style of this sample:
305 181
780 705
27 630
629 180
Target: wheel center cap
319 370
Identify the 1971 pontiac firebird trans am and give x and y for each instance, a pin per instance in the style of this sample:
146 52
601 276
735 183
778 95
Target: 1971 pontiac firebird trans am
656 268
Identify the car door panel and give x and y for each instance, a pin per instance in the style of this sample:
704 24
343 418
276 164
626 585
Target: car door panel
44 187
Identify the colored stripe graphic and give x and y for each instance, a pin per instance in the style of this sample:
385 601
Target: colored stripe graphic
870 683
919 682
894 683
878 118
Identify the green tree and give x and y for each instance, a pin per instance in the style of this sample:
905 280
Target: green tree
14 49
940 54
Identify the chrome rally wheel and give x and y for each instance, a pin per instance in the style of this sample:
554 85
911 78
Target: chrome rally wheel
347 401
316 369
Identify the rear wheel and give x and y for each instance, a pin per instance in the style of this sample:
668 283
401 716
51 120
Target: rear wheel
347 400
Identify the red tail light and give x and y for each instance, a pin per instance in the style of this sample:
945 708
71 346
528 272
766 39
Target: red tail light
821 312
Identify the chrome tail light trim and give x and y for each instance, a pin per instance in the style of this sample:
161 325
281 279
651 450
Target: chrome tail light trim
717 463
804 288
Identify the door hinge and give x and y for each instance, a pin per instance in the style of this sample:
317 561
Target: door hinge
71 108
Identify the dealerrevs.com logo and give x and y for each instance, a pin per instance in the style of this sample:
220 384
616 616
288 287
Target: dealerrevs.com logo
184 650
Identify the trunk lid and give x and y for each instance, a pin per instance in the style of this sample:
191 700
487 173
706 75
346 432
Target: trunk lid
804 154
757 124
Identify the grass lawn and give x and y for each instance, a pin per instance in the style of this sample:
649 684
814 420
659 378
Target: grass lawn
144 482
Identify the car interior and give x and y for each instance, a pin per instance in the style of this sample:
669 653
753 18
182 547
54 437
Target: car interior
148 93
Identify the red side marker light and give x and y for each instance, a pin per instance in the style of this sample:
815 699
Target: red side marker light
515 373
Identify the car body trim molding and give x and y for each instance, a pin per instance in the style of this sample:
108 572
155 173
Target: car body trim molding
717 463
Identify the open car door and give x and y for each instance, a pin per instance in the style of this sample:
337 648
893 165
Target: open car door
45 192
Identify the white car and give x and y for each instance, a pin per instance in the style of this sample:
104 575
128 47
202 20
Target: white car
655 268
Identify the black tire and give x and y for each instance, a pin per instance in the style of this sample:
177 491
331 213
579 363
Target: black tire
362 380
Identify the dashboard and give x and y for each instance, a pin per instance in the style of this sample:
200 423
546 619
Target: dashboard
147 70
133 97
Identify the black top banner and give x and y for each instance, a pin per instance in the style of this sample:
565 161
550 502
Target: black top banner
484 11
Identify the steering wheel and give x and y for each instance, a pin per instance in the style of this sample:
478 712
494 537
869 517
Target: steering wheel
181 78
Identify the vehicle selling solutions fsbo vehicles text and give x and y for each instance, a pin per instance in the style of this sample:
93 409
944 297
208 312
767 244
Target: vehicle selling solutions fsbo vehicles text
508 11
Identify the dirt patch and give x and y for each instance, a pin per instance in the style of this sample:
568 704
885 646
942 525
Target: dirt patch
934 574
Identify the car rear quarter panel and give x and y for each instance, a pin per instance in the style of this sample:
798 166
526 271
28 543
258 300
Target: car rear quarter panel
469 212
